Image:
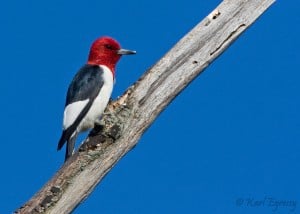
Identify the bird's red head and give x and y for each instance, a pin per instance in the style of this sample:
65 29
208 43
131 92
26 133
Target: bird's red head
106 51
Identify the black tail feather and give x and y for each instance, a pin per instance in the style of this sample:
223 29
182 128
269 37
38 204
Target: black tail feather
70 146
62 140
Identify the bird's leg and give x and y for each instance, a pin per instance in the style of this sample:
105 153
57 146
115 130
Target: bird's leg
98 126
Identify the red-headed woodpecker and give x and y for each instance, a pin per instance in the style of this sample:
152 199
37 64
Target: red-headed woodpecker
90 91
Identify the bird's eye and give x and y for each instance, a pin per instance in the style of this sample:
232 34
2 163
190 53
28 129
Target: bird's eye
109 47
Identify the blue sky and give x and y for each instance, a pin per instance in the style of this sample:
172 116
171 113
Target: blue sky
229 143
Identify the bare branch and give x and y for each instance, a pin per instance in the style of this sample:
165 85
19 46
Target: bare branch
128 117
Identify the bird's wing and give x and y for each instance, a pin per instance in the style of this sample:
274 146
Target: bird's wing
82 92
86 84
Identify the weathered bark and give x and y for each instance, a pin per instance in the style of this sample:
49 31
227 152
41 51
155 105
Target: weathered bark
130 115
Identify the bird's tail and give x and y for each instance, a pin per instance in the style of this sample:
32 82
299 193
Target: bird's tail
70 146
71 139
62 140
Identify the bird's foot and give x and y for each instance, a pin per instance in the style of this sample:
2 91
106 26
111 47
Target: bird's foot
98 127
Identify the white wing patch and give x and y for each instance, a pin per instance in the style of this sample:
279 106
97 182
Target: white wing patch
72 111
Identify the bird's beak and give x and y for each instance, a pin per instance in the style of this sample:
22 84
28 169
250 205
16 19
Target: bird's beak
125 52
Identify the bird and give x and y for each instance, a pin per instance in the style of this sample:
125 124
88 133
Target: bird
90 90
